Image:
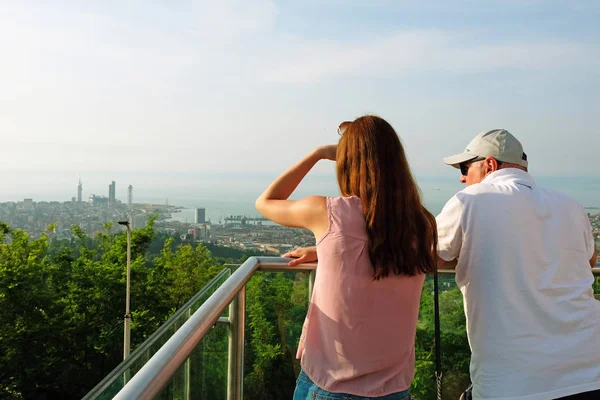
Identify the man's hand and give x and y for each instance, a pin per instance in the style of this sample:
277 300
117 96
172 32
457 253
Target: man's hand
301 255
443 264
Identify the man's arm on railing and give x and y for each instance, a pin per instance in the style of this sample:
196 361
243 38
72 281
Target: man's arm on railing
302 255
443 264
594 258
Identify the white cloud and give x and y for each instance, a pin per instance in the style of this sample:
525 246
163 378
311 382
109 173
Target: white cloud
230 20
424 51
203 85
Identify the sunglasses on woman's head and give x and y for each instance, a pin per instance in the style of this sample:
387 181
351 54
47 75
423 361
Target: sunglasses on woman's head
343 126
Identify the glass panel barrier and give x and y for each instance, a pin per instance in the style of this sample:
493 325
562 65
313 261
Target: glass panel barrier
456 354
117 379
204 374
276 306
455 351
275 310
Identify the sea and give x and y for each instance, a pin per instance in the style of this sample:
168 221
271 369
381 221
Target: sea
435 191
224 194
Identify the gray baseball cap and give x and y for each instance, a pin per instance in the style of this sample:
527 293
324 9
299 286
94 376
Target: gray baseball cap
497 143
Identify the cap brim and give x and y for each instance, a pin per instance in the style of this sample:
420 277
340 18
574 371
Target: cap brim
458 159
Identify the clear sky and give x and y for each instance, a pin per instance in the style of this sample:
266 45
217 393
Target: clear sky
161 88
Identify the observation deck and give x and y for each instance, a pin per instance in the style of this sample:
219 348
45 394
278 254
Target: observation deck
208 332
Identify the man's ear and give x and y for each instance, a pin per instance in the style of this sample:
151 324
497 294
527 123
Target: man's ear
491 165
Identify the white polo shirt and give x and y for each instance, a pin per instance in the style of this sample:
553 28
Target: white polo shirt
523 268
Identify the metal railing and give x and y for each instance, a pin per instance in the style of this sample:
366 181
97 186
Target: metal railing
124 369
157 372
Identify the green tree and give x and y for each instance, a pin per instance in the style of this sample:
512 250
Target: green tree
186 270
62 304
26 307
276 307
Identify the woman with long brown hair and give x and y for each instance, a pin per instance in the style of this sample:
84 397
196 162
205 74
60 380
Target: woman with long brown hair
375 243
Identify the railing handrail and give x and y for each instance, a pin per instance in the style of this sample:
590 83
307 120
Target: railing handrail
155 374
125 365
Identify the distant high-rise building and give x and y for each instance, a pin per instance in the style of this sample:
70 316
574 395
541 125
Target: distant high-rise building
200 216
79 191
130 195
205 233
112 193
201 233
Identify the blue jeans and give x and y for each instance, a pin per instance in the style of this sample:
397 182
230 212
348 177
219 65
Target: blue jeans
308 390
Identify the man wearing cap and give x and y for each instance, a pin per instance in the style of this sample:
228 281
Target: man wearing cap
522 256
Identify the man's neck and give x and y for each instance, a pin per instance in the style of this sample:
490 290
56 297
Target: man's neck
510 165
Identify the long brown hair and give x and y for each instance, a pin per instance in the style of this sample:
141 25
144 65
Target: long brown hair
372 165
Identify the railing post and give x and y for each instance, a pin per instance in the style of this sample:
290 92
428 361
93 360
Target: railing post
126 376
187 369
235 367
311 283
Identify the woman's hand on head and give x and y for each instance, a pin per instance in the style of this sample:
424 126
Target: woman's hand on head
327 152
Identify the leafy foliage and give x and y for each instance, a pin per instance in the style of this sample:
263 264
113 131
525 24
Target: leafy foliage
62 304
276 307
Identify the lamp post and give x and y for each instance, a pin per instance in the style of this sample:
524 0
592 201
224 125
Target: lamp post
127 319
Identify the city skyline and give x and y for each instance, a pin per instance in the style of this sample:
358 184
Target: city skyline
223 194
112 193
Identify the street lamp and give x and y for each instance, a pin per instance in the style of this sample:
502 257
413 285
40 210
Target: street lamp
127 319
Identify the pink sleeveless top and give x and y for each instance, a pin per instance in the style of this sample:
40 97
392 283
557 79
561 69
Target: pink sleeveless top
359 334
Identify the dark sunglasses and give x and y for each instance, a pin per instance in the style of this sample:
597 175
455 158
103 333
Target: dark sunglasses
464 167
